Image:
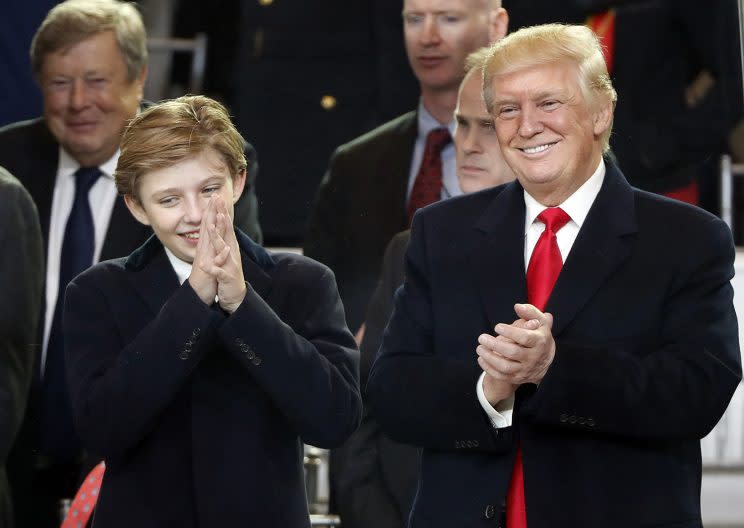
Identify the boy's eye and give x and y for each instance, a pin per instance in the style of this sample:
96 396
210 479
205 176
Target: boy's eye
211 189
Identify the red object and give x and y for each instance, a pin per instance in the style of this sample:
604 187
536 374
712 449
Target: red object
542 272
603 25
688 193
85 500
427 188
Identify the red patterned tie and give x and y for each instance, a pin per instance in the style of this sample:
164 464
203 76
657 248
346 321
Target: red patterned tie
85 500
543 270
427 188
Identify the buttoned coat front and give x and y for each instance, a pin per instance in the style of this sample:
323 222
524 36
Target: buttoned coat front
200 416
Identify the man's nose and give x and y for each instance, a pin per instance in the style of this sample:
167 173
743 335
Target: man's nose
430 33
78 94
471 142
529 122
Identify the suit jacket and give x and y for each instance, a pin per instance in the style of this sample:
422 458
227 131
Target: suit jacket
201 417
647 358
376 482
21 277
360 205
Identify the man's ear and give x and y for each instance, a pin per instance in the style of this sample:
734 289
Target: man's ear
136 209
238 185
603 117
498 24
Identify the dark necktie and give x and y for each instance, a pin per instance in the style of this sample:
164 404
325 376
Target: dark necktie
427 187
542 272
58 437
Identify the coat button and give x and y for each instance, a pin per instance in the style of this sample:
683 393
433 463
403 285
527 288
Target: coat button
328 102
256 361
490 511
564 418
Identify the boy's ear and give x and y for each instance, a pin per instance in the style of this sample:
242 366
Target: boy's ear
238 185
136 209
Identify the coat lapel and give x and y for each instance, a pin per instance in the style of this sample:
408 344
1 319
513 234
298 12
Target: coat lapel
499 260
153 279
603 244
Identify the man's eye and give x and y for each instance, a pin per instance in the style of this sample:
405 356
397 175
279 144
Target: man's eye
507 112
452 18
549 105
211 189
411 18
487 125
168 201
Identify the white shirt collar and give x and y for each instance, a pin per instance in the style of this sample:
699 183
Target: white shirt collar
427 122
576 206
181 267
68 165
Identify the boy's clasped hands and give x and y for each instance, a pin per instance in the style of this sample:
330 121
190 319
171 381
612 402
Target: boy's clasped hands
217 269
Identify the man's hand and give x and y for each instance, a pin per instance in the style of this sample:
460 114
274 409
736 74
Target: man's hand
227 267
202 282
520 353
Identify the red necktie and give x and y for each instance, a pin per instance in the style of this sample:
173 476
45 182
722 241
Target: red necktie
543 270
427 188
85 499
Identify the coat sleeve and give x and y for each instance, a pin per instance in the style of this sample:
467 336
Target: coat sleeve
675 388
118 390
22 265
307 362
420 397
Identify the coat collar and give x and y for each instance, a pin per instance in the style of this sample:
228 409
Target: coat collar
154 278
602 245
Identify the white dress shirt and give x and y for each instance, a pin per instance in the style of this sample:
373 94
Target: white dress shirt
181 267
577 207
450 183
102 198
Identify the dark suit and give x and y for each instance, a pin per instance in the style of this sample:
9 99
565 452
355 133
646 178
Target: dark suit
21 279
201 417
647 358
376 482
359 207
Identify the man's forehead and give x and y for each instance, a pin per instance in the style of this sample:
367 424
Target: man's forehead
443 5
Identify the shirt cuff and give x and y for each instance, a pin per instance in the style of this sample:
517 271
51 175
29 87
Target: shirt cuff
501 415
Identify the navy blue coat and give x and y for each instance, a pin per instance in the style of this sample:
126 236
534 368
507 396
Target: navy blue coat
201 417
647 358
